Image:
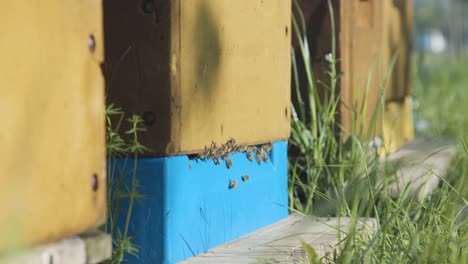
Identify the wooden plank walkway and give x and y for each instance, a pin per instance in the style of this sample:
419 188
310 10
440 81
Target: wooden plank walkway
420 164
281 242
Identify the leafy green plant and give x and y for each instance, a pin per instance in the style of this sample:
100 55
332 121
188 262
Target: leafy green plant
118 189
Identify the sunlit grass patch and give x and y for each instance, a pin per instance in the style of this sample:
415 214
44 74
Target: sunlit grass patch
334 176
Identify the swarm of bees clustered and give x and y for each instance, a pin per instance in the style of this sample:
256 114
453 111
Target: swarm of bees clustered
223 152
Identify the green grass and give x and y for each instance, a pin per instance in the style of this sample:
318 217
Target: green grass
441 99
441 95
330 176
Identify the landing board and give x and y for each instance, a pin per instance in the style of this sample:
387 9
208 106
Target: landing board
281 242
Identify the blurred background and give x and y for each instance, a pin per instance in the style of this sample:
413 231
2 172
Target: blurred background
440 72
440 26
440 77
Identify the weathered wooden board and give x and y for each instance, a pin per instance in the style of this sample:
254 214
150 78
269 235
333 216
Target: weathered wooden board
281 242
201 70
371 33
420 165
52 126
360 44
90 248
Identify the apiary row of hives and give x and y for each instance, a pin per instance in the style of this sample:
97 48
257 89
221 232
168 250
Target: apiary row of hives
199 72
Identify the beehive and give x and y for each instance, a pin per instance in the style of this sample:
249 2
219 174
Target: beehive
368 34
398 126
200 70
52 169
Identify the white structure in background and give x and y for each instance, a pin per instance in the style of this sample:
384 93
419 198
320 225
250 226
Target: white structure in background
431 40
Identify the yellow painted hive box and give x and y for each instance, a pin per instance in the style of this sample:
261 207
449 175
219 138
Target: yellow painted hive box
200 70
52 120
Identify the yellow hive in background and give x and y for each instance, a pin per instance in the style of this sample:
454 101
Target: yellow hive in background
398 126
397 30
52 168
369 38
398 122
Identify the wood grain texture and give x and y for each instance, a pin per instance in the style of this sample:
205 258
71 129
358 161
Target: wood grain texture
52 128
360 44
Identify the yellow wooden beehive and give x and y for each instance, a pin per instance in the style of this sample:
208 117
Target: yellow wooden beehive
398 124
372 32
52 128
368 34
201 70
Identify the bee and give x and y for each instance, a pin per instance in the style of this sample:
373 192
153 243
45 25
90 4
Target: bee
245 178
260 154
225 156
241 148
227 149
211 153
231 142
217 153
229 163
217 160
267 147
203 154
232 184
250 149
250 156
223 149
231 145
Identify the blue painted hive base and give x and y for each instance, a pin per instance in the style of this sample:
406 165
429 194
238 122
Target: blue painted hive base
192 205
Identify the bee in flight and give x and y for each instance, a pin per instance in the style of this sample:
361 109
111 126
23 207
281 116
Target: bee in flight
232 184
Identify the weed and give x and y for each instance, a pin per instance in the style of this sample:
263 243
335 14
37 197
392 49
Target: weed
118 190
